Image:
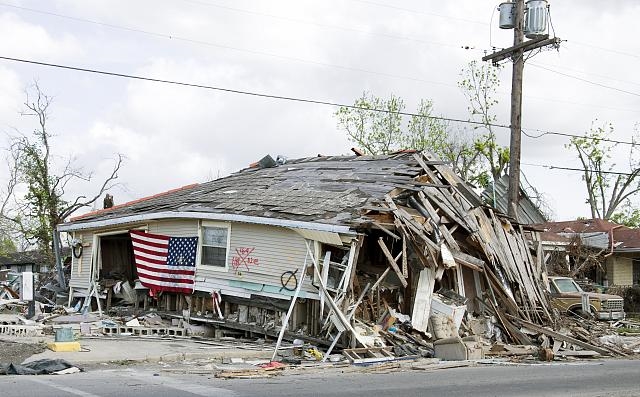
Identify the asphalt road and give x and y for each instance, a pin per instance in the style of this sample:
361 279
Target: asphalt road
585 379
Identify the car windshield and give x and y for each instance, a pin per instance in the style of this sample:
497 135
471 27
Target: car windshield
566 285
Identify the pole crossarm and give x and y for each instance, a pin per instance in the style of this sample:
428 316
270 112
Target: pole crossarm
525 47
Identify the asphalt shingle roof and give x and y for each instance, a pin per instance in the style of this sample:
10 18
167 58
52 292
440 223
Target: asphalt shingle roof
331 190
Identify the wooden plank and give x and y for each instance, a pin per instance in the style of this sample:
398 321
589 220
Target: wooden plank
453 179
535 275
463 262
380 279
514 263
407 220
356 254
386 230
461 256
453 244
368 355
441 202
577 353
507 300
405 267
325 276
422 300
558 336
427 206
393 264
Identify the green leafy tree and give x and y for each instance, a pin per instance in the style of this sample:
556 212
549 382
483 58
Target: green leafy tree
373 123
479 84
473 153
607 190
7 246
33 169
628 216
383 132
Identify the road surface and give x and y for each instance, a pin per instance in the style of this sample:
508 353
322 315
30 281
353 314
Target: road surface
585 379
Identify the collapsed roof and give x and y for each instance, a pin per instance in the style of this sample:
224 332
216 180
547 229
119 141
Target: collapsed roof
331 190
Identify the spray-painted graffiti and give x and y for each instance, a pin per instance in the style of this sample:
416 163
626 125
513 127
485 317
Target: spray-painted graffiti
243 258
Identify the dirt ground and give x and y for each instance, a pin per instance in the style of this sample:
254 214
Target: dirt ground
17 352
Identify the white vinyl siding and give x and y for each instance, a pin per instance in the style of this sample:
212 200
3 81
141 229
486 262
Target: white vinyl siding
175 228
81 267
259 255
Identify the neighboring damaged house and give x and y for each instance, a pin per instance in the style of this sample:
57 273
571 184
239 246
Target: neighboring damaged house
390 230
36 261
604 251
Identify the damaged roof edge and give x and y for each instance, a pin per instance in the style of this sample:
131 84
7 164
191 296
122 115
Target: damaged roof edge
323 227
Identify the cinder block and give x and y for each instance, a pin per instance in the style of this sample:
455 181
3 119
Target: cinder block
64 346
21 330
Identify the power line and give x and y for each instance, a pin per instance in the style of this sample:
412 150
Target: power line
250 93
210 44
292 99
543 133
262 53
585 80
593 74
611 50
555 167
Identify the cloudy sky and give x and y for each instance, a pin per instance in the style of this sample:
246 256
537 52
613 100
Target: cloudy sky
330 50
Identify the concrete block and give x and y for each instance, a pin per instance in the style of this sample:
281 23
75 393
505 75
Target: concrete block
64 346
10 319
21 330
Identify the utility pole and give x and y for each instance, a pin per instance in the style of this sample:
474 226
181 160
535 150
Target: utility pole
516 53
516 112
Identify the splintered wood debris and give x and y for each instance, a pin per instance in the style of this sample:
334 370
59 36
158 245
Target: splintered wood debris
460 268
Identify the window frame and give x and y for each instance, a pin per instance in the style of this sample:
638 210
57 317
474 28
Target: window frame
221 225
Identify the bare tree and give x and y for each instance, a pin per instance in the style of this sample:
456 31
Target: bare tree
32 167
607 191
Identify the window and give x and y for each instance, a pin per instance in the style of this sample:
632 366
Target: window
566 285
214 246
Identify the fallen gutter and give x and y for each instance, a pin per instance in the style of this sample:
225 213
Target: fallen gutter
323 227
611 238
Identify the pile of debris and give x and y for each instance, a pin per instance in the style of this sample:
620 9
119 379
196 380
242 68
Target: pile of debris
481 282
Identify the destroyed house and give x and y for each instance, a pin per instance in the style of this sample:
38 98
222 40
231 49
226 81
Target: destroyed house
356 239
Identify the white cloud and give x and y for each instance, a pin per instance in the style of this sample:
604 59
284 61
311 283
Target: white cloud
26 40
174 135
11 94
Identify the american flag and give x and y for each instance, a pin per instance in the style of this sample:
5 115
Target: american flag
165 263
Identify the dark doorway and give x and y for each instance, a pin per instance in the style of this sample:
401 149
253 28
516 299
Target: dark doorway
116 255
